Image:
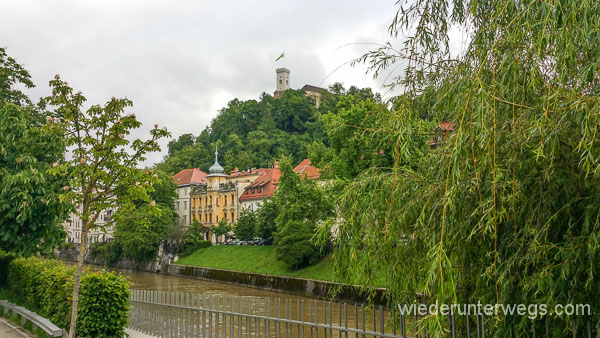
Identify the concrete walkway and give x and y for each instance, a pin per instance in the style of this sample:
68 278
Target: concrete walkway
134 334
9 330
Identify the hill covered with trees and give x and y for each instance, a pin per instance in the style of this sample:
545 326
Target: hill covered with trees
255 133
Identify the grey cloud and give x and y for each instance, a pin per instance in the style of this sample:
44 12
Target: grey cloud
181 61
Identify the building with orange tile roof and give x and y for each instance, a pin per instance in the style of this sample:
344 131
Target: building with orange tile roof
218 199
307 170
186 180
263 187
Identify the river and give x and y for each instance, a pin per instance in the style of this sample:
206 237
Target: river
264 301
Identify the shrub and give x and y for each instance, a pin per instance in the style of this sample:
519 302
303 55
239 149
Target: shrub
5 259
46 287
194 239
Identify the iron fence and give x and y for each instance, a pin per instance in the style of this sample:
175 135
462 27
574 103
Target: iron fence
177 314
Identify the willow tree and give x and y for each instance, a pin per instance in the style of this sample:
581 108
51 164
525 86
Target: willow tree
102 173
506 210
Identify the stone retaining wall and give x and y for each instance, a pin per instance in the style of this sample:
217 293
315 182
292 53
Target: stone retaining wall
298 286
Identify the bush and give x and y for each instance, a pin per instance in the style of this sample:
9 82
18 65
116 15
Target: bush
110 253
194 239
5 259
46 287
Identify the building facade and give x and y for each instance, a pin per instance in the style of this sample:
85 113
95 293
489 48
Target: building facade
186 180
101 232
218 199
263 187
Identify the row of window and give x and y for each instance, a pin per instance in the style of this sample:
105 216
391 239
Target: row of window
207 218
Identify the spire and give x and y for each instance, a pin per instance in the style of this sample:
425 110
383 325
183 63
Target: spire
216 168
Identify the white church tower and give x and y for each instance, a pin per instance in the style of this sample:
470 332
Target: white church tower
283 81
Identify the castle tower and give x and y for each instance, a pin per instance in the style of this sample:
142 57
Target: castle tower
283 79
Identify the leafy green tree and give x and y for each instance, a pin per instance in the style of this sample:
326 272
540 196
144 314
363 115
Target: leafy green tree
194 238
139 227
102 173
302 205
506 209
30 206
266 216
222 228
246 224
181 142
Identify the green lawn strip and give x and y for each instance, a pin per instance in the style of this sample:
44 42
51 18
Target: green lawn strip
257 259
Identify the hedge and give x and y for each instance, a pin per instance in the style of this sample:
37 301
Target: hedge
46 286
5 259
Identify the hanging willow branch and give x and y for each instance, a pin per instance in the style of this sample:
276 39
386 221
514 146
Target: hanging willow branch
507 210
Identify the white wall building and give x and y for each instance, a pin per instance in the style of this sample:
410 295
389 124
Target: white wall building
102 231
185 180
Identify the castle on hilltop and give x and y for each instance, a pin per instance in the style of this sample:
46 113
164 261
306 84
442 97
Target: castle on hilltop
283 84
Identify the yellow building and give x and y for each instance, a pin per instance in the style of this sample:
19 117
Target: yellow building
219 198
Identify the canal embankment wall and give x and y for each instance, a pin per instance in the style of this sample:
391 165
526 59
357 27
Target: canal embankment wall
163 263
292 285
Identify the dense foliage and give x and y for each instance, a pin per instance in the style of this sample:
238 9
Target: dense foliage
254 134
46 287
266 217
245 227
302 204
193 239
139 227
506 210
221 229
30 206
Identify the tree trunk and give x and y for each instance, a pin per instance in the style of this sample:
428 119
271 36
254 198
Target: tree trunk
81 258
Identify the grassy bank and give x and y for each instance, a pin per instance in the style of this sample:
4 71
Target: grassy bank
256 259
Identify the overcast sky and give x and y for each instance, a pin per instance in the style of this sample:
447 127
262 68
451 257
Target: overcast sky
182 61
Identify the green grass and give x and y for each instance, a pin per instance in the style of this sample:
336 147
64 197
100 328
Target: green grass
256 259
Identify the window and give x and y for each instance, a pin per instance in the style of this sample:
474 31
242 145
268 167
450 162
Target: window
184 205
217 217
232 217
280 82
184 219
177 206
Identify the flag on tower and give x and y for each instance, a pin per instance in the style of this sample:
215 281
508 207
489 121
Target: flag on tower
281 56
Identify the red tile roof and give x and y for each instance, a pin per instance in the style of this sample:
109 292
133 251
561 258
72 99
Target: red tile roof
237 173
263 186
190 176
305 169
447 126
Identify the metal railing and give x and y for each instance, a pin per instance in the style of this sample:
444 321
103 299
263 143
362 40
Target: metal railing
175 314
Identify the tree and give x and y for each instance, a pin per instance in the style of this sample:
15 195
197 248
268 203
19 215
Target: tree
505 210
102 172
182 142
30 206
266 216
302 205
139 227
246 224
222 228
